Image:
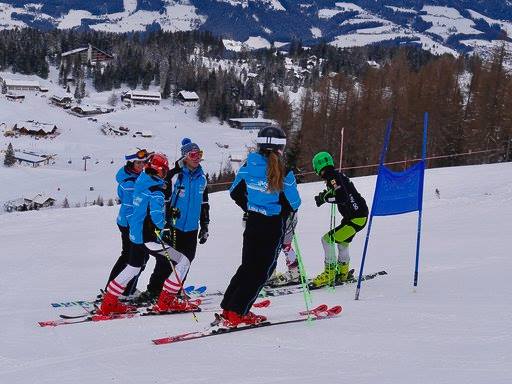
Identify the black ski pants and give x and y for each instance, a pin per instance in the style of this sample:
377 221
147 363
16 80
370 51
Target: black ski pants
263 237
123 260
184 242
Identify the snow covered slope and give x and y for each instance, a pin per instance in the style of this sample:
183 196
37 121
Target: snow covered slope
457 327
440 26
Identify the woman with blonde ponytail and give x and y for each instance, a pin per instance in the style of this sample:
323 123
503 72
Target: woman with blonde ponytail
267 194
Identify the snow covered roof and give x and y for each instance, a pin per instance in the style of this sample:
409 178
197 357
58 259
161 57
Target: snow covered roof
248 103
73 51
144 94
36 126
41 198
21 83
29 157
188 95
252 120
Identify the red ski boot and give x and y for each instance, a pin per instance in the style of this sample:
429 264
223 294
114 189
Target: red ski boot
111 305
168 302
233 319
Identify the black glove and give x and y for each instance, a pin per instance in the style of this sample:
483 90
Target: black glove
178 165
203 235
320 198
174 213
166 236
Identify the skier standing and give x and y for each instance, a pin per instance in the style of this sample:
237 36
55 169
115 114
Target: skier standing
264 190
126 177
187 219
148 215
352 206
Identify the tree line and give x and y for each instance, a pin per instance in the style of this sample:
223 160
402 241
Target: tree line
469 102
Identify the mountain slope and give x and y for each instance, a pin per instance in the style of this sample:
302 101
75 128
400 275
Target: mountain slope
438 25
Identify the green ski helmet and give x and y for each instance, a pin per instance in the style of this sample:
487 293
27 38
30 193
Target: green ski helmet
322 160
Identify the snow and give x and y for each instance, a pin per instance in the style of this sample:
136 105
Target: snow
448 21
457 326
402 10
6 22
274 5
257 42
252 43
74 19
506 26
316 32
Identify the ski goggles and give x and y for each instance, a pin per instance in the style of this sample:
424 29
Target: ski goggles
196 155
141 155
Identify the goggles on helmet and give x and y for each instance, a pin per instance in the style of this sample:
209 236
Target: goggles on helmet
141 154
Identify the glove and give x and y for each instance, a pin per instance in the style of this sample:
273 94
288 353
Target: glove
320 198
174 213
244 219
178 165
203 235
165 235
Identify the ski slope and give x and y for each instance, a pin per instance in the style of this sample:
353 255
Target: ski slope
456 328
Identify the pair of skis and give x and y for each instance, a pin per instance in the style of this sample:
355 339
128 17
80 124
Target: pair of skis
321 312
191 291
91 316
296 288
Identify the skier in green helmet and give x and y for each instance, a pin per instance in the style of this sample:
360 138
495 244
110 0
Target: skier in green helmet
353 208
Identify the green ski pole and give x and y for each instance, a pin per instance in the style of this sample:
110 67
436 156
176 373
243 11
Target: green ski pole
303 276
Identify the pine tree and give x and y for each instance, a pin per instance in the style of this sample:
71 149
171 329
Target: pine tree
65 203
9 160
4 88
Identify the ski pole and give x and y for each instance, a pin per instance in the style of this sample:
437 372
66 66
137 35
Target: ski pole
166 253
332 256
303 277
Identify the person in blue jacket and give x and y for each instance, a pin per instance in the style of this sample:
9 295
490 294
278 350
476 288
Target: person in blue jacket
147 216
268 194
188 218
126 177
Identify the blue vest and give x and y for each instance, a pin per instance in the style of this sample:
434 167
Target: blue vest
126 185
148 201
187 196
259 198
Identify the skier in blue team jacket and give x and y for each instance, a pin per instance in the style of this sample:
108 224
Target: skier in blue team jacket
268 195
148 215
126 177
187 217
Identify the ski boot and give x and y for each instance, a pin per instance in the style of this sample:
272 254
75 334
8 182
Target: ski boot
290 277
145 298
343 273
232 319
168 302
111 305
326 277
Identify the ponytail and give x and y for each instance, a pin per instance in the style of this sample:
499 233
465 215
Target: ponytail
275 172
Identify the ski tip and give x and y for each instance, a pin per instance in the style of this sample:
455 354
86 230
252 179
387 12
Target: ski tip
50 323
189 289
201 289
336 310
262 304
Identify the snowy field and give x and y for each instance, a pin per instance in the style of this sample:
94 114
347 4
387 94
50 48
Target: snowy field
79 137
457 327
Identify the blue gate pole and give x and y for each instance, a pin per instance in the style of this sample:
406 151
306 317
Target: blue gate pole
375 193
420 196
364 257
